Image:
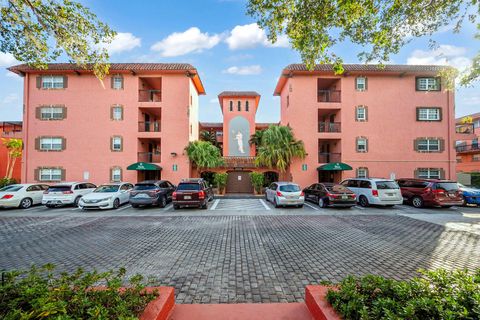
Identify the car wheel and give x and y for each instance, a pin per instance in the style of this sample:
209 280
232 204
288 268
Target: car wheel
204 206
322 203
135 205
464 202
417 202
275 203
26 203
77 199
176 207
266 197
163 202
116 204
363 201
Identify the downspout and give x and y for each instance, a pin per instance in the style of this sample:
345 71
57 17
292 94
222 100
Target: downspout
449 137
26 108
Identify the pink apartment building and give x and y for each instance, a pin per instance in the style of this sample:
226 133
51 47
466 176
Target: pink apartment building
468 149
131 126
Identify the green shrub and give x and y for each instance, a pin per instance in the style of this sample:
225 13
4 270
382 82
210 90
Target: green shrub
438 294
5 182
475 179
257 181
40 294
220 180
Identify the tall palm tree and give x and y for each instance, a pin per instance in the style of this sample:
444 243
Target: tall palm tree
278 148
14 152
256 139
204 154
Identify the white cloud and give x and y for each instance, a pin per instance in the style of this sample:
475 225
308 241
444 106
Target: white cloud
213 100
123 41
471 101
244 71
13 75
9 98
7 60
250 36
443 55
181 43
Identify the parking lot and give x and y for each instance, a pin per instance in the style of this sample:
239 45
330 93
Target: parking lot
243 250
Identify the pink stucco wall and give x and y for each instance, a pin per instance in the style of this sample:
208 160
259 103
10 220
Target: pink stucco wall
88 127
391 127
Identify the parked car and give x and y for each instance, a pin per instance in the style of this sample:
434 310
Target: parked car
470 195
431 192
68 193
151 193
21 195
192 193
107 196
330 195
375 191
285 194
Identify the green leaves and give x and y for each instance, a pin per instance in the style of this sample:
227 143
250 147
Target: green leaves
204 154
38 32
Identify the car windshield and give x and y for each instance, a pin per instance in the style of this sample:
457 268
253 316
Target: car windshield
382 185
461 185
188 187
290 188
107 188
12 188
145 187
447 186
337 188
59 188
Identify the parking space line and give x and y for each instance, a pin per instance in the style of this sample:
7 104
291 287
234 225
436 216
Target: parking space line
126 207
215 204
359 207
74 209
264 204
309 205
170 206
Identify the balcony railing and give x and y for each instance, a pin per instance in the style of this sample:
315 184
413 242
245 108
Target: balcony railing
329 127
466 128
324 157
149 157
149 95
11 134
329 95
468 148
149 126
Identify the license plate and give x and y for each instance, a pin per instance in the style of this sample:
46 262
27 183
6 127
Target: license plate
390 194
344 197
451 195
142 196
187 197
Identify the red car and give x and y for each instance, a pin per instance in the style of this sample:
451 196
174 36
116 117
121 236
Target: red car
192 193
431 192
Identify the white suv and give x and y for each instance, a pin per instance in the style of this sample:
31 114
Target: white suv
375 191
68 193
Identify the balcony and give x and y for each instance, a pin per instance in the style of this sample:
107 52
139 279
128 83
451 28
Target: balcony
149 95
329 96
154 157
464 132
324 157
329 126
472 148
149 126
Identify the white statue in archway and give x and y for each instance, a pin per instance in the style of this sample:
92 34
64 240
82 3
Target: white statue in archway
239 138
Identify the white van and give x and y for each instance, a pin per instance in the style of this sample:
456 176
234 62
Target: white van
373 191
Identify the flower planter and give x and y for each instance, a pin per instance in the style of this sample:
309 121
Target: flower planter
317 304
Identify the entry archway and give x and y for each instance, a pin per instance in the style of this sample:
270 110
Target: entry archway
269 177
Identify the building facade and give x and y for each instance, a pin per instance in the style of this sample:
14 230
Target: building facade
392 122
468 149
10 130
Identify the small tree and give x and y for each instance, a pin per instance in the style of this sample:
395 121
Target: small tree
209 136
257 181
14 151
204 155
220 180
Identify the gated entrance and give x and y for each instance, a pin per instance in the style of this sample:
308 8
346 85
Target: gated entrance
239 182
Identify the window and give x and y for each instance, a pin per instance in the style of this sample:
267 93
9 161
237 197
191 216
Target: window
231 105
361 113
428 173
117 113
117 144
428 145
362 144
246 106
428 84
116 174
429 114
117 82
52 82
50 174
476 157
361 83
51 113
459 159
51 144
362 172
239 106
365 184
288 101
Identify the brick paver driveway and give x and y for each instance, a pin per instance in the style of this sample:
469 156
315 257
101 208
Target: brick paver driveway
211 259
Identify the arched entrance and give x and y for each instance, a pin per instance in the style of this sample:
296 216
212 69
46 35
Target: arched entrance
208 176
269 177
239 182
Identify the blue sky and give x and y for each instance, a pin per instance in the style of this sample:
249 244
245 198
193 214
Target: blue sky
230 51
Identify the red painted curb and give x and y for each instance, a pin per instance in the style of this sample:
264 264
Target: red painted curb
315 299
160 308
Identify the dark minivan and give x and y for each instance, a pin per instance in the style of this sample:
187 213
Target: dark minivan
192 193
430 192
151 192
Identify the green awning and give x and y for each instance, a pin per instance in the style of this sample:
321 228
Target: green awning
334 166
144 166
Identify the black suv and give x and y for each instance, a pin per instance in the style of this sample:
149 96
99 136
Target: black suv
151 192
192 193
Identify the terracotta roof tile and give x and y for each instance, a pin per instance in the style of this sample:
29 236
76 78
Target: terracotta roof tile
113 67
370 67
239 94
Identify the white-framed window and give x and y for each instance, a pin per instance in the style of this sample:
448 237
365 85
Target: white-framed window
117 113
361 83
116 174
476 157
52 82
51 144
429 173
362 172
117 82
362 144
428 145
428 114
117 144
428 84
51 113
361 113
50 174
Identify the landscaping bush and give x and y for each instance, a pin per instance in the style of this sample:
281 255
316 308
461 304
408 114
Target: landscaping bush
257 181
39 294
438 294
5 182
220 180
